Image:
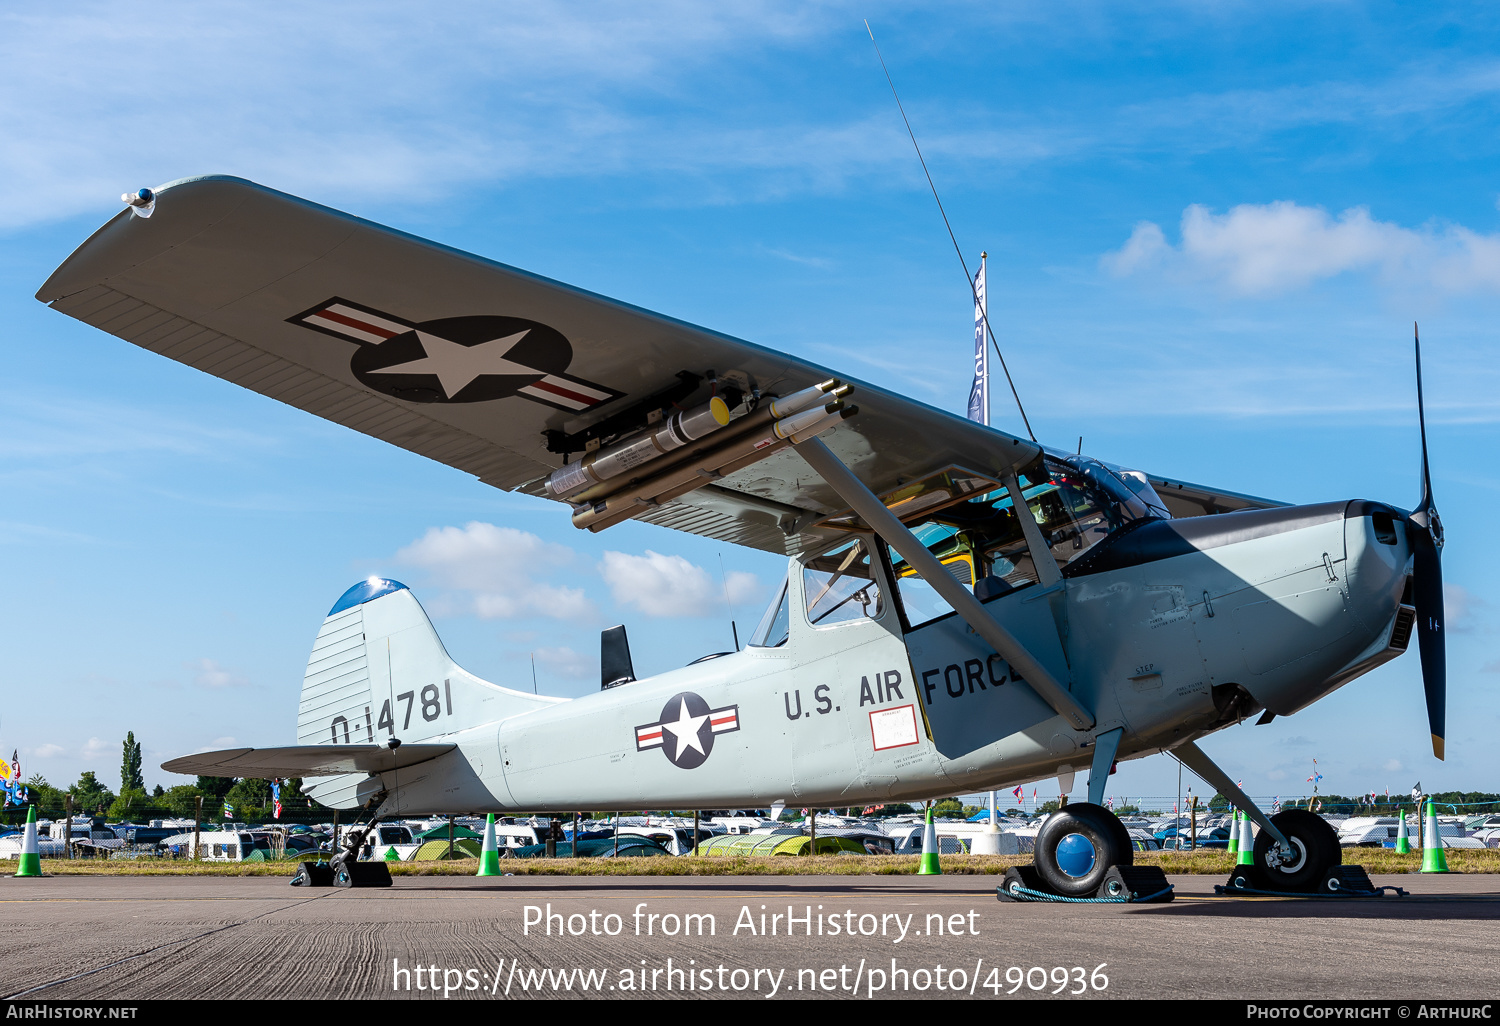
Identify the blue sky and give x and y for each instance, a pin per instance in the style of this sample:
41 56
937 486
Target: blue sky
1210 227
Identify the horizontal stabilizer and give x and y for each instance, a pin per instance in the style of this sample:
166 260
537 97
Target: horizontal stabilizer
305 760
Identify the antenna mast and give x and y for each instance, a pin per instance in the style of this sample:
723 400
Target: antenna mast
984 313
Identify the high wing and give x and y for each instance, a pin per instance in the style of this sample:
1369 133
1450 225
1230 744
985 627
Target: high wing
1192 500
290 299
305 760
482 366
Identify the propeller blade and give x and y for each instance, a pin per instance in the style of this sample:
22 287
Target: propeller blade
1424 506
1424 533
1427 592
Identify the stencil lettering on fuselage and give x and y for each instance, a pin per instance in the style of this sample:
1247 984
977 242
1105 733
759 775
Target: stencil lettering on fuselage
972 696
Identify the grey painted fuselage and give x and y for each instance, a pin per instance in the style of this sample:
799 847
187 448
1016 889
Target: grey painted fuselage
1170 631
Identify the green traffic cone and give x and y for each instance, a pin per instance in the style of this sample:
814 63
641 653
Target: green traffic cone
489 856
1433 859
930 865
1246 856
1234 834
1403 843
31 860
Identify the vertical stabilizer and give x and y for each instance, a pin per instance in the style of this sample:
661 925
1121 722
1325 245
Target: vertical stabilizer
379 671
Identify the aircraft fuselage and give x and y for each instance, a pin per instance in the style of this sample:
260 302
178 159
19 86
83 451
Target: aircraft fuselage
1171 631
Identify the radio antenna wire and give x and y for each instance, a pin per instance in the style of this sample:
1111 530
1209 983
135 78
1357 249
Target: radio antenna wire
964 263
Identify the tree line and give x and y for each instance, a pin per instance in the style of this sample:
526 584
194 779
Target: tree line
249 797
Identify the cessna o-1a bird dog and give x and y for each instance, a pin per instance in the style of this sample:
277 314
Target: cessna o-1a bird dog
964 609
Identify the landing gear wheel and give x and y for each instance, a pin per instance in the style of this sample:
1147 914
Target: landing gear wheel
1315 851
1077 846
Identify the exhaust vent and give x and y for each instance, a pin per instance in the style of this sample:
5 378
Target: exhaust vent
1406 619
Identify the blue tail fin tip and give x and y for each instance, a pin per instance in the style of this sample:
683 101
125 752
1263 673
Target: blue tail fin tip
365 591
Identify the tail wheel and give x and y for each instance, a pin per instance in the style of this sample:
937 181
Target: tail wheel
1076 847
1314 851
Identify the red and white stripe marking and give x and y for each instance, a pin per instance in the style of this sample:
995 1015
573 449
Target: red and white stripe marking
354 324
566 392
720 721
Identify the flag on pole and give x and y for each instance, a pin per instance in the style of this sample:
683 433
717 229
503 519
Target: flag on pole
979 391
1020 794
276 797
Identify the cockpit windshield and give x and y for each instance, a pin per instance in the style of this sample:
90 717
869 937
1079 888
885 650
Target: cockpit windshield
1076 502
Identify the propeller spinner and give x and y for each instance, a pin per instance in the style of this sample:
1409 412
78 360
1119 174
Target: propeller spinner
1425 535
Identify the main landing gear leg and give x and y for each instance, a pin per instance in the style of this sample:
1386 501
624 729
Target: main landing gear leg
345 869
1296 851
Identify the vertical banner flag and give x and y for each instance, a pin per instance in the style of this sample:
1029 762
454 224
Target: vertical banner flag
276 797
979 392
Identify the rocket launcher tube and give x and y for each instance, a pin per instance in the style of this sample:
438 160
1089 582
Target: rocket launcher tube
732 455
798 422
749 424
799 401
678 430
819 426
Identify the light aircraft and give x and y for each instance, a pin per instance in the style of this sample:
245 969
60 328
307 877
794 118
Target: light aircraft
964 609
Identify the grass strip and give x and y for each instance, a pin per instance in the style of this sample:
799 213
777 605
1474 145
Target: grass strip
1216 863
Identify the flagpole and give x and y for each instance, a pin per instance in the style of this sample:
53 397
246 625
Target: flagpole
984 307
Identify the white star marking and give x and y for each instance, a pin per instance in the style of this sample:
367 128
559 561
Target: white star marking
457 366
685 730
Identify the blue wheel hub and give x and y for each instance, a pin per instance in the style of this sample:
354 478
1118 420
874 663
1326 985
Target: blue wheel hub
1076 855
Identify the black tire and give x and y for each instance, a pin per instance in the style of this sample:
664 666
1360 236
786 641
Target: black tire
1070 838
1315 851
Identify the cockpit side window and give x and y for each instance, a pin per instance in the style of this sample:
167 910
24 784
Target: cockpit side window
775 625
1076 502
1082 503
840 586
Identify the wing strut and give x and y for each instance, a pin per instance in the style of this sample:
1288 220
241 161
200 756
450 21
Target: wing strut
1191 756
896 534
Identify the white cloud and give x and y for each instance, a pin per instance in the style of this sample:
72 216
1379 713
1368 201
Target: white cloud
218 745
209 674
1392 766
669 586
496 567
96 748
564 662
1277 247
1460 604
45 751
377 98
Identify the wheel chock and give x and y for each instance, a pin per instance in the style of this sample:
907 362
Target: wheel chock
1141 884
1340 882
362 874
313 874
1121 885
